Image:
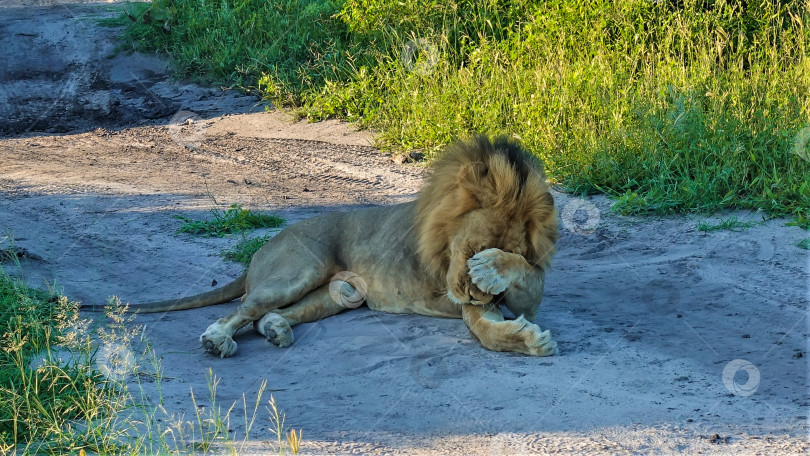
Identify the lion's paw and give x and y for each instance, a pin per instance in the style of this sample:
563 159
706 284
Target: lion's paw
275 328
538 343
489 271
216 342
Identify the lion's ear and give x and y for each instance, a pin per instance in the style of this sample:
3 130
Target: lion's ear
471 197
483 171
473 173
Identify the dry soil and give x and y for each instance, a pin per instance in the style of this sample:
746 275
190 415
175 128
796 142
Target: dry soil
671 340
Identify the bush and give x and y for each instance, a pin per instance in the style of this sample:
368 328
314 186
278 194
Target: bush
692 105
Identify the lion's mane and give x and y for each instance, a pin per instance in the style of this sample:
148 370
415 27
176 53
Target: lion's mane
479 173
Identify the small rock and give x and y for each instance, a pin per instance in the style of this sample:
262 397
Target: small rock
715 438
409 157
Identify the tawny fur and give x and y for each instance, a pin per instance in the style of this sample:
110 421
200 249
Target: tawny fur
480 235
497 175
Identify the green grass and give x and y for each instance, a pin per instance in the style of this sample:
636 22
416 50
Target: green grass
730 224
233 220
69 387
691 106
243 251
121 20
48 376
804 243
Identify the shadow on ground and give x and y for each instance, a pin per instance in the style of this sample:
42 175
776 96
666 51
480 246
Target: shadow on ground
704 333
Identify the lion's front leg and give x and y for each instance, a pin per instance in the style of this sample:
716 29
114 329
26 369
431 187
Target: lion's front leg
460 288
486 324
495 271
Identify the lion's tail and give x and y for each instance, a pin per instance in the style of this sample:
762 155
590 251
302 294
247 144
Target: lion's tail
221 295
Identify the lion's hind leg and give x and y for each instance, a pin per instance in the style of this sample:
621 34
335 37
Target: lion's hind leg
486 324
274 292
277 325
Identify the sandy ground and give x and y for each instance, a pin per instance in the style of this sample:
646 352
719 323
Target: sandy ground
667 335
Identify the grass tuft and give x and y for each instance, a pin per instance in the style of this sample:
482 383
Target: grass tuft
730 224
243 251
804 243
233 220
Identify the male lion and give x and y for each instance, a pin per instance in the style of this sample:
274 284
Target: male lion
481 234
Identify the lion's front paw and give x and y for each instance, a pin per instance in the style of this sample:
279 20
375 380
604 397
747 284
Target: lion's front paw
275 328
216 342
522 336
538 343
490 271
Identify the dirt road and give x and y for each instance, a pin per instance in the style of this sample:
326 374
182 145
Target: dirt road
667 335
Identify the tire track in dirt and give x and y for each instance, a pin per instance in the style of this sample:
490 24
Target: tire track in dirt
344 166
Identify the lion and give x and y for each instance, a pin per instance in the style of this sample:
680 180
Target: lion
481 234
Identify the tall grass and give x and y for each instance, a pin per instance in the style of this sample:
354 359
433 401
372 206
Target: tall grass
53 397
70 387
692 105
